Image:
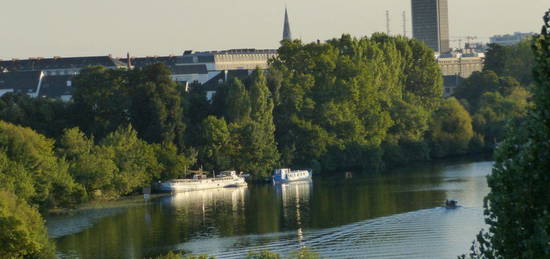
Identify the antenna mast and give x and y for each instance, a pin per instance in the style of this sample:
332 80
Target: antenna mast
404 23
388 22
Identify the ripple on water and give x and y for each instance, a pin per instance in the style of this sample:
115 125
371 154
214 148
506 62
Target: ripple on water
430 233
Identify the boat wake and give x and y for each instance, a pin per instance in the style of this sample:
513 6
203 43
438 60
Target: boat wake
436 232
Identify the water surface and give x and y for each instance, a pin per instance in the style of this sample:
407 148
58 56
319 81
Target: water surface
394 214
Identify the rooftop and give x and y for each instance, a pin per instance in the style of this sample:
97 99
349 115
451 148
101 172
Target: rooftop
32 64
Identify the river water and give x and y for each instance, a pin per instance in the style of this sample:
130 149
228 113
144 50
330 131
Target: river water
395 214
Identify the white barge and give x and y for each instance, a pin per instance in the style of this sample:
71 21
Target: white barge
286 175
200 182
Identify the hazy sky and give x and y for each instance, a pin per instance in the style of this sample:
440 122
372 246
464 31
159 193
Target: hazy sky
45 28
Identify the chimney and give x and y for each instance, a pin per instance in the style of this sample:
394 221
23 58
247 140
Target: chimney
129 60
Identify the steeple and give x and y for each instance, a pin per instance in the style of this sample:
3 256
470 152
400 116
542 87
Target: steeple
287 35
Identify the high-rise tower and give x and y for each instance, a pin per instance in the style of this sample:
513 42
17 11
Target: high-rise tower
287 35
430 20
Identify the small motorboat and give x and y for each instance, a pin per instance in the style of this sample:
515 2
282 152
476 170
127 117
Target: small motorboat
451 204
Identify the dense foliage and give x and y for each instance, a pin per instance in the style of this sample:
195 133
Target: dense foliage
450 129
146 98
515 61
347 104
495 97
517 208
23 232
78 169
338 102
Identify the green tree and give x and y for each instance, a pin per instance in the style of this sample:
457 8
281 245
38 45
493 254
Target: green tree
337 101
53 185
260 148
216 150
516 61
173 163
304 253
237 107
451 129
265 254
46 116
89 165
135 159
156 109
517 206
23 234
101 99
480 83
15 178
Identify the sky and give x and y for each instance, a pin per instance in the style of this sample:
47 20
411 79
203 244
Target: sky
46 28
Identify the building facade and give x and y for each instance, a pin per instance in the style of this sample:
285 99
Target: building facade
54 75
201 67
457 66
509 39
430 20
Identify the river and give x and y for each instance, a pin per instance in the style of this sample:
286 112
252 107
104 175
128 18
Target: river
394 214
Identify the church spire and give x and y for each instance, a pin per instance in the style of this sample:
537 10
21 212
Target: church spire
287 35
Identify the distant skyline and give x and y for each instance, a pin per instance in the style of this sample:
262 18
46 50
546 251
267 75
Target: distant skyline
162 27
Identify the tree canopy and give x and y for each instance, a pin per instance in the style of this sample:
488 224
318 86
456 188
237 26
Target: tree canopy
517 206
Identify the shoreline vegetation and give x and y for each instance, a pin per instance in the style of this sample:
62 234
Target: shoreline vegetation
349 104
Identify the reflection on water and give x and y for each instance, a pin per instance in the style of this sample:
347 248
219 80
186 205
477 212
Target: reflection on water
394 214
434 233
295 196
199 201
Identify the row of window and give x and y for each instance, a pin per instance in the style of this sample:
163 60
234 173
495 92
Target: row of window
61 72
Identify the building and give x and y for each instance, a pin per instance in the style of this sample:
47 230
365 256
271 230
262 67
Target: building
55 80
60 66
456 66
207 68
460 64
509 39
201 67
430 20
450 83
26 82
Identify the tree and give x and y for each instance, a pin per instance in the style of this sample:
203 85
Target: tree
216 150
34 153
46 116
260 147
451 129
517 207
90 165
236 105
15 178
483 82
516 61
341 97
156 109
135 159
102 100
173 164
23 234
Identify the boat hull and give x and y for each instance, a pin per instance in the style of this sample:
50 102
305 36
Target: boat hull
282 176
205 184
